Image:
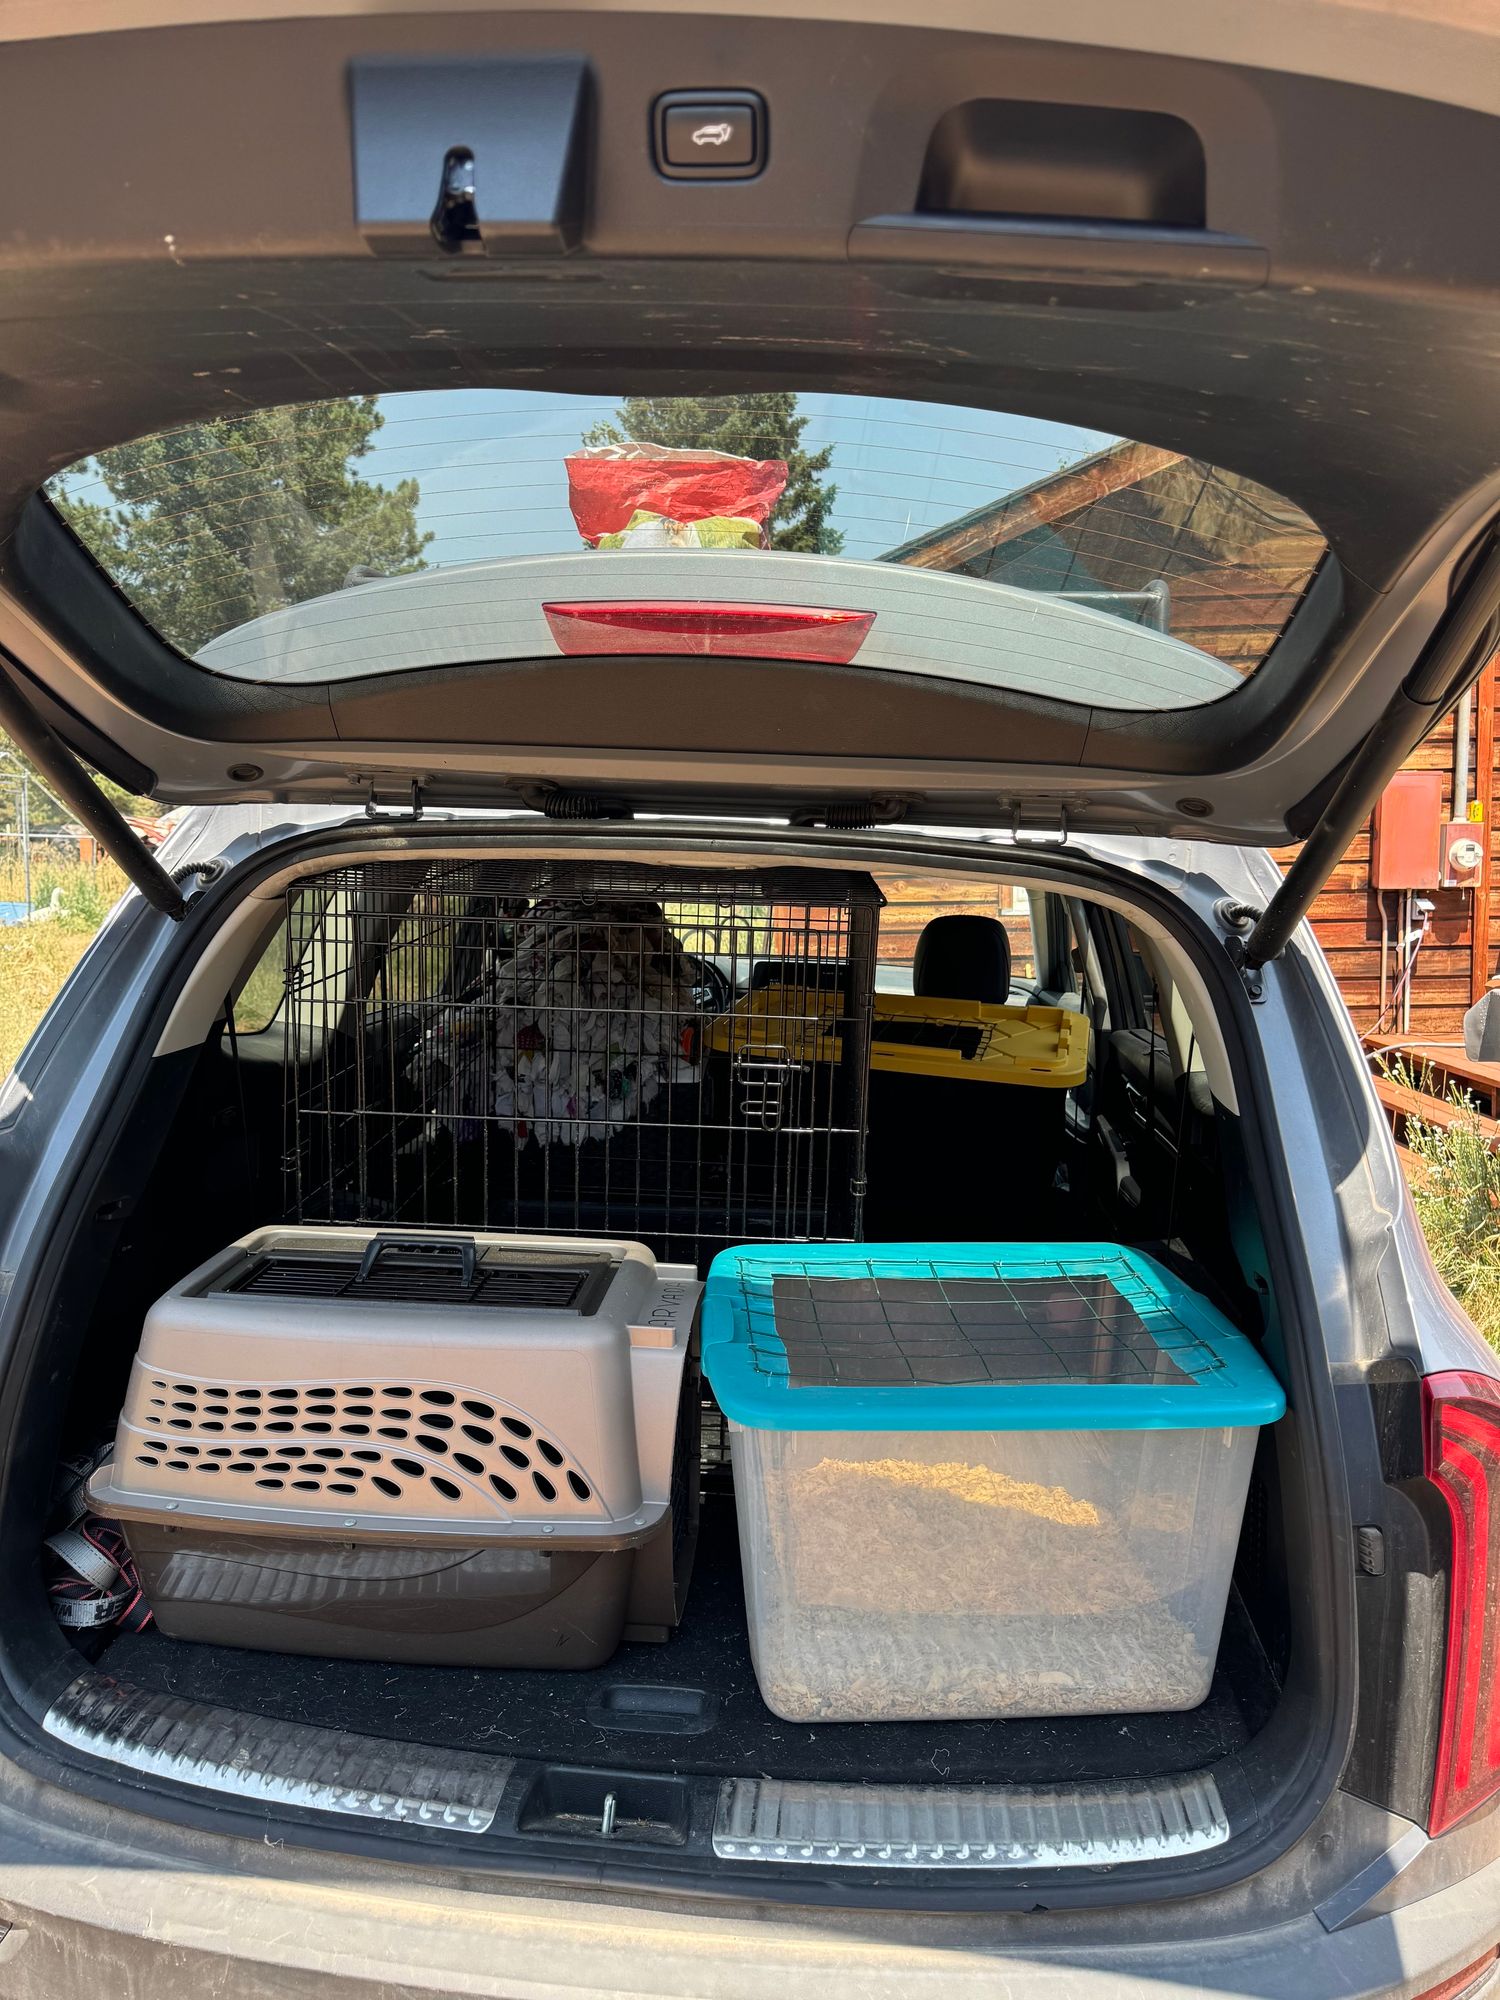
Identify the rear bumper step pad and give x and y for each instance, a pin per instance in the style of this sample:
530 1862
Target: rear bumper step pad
996 1826
940 1827
283 1763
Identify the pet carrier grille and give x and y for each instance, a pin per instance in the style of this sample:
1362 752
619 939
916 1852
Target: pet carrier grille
412 1405
590 1048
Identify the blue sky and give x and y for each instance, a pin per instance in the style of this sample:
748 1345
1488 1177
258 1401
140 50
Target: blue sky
490 464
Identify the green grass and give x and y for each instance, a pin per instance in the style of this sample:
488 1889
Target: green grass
1455 1187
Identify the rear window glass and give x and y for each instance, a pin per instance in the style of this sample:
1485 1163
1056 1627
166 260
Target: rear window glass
377 534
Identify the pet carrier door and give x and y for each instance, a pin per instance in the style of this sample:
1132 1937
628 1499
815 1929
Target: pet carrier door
678 1058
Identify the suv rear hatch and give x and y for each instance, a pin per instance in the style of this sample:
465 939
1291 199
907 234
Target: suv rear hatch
1060 542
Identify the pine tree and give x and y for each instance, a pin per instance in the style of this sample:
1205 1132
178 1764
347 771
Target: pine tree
765 426
218 522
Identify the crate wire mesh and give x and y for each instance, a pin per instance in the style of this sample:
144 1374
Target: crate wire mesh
525 1045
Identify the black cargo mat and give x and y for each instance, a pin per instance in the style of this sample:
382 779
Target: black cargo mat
573 1717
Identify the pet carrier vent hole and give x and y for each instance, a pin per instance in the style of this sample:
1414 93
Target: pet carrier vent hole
477 1409
431 1443
409 1466
468 1464
502 1486
516 1458
581 1490
387 1486
478 1434
436 1421
273 1485
516 1427
337 1486
544 1485
448 1490
549 1451
435 1396
146 1458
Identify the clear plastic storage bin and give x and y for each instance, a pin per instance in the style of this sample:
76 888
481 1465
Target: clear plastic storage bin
981 1480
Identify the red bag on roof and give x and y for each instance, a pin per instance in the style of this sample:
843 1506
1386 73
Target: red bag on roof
609 485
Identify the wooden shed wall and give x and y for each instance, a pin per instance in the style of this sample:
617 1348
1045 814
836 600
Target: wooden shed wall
1454 965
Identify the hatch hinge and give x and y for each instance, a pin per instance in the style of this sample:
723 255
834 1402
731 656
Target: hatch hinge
372 803
1039 836
83 796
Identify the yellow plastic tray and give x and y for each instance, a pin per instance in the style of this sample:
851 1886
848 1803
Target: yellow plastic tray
786 1021
1045 1047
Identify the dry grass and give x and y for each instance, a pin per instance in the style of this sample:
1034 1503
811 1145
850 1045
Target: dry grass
1455 1188
36 958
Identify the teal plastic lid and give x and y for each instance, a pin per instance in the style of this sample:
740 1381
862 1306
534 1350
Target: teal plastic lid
972 1336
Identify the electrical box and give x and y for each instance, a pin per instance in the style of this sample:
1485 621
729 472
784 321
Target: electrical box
1463 853
1406 846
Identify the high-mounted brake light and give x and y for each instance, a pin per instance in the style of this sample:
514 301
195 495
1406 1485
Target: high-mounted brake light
726 631
1462 1427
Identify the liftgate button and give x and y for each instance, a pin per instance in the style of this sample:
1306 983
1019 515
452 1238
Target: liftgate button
710 136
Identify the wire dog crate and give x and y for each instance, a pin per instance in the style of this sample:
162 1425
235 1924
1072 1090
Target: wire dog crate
675 1057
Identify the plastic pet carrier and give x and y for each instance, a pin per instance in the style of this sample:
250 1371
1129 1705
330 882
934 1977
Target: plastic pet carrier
466 1450
530 1045
981 1480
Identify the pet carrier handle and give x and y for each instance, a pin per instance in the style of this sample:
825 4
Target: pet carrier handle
427 1249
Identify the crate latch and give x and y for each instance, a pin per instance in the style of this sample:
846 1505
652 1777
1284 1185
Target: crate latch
764 1084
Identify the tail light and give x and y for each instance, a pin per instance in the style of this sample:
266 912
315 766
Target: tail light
1462 1414
733 631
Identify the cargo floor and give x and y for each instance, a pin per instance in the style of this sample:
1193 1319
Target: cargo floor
578 1717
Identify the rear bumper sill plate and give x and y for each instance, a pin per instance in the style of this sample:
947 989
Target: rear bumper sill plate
999 1826
282 1763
